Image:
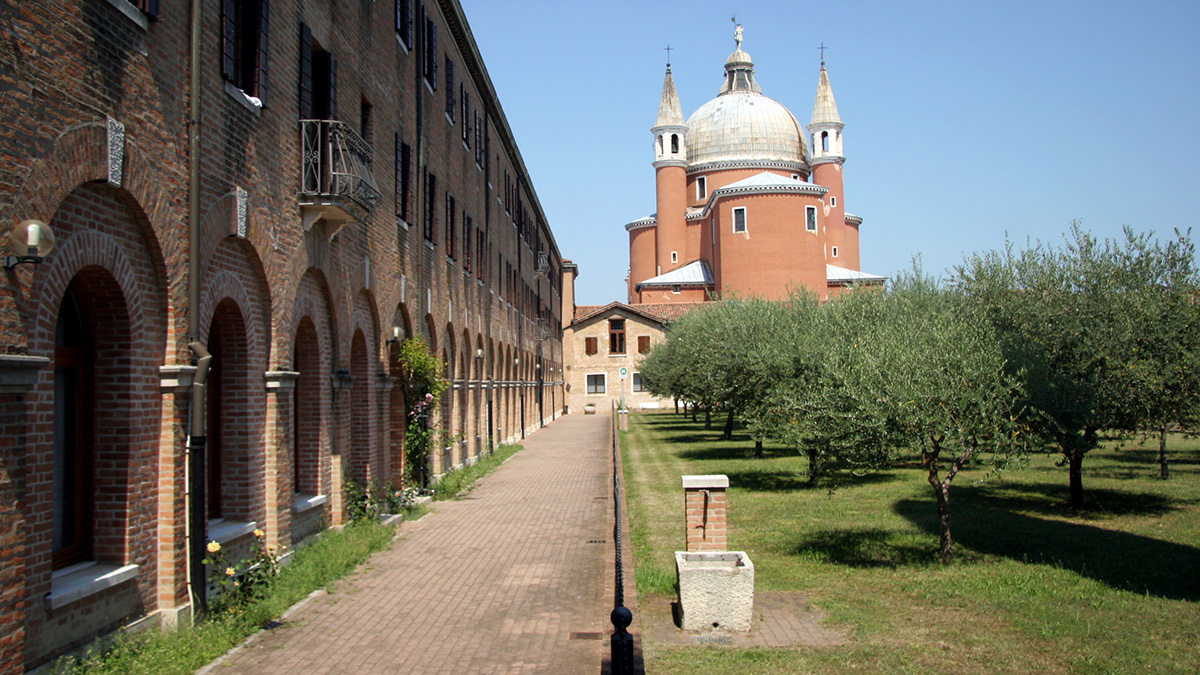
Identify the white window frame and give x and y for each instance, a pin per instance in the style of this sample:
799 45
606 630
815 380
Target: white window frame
810 219
674 256
677 289
745 220
833 201
701 187
835 251
636 383
603 384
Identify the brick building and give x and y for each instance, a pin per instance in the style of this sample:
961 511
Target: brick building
291 187
743 206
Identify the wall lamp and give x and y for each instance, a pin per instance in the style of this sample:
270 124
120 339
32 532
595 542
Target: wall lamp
33 237
479 353
395 339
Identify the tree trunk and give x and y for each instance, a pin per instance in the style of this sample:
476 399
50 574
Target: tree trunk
676 406
693 413
758 451
1075 462
942 491
727 435
1164 472
707 419
813 468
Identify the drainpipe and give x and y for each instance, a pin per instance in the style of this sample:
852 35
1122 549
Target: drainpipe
194 473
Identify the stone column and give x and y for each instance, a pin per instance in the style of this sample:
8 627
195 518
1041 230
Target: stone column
175 384
704 501
278 469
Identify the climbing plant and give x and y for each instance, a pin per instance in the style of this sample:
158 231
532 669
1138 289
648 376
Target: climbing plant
423 386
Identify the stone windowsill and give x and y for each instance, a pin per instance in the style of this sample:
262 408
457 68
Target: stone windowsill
77 582
225 531
302 503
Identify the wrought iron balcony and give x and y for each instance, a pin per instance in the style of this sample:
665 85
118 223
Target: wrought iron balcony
335 166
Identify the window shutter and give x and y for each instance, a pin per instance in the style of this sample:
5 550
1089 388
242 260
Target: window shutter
433 51
229 40
332 88
406 179
592 345
148 7
306 73
643 344
261 56
400 169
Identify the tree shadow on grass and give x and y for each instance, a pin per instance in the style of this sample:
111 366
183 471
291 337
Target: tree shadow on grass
770 480
1120 560
1052 499
743 451
862 548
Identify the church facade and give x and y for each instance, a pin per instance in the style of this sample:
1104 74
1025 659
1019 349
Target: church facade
743 206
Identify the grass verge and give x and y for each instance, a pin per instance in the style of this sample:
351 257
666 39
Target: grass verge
458 481
334 555
1035 586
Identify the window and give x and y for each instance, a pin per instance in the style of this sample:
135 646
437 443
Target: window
244 28
318 79
403 180
637 383
148 7
466 241
739 219
365 127
835 251
478 140
595 383
429 50
676 288
479 253
702 188
404 22
430 200
643 344
824 141
833 201
451 238
616 336
810 218
464 98
449 90
591 345
674 144
72 528
674 256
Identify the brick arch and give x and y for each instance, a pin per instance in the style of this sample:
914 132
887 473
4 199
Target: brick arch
234 273
79 157
365 317
314 300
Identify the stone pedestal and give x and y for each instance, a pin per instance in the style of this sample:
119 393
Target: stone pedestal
716 590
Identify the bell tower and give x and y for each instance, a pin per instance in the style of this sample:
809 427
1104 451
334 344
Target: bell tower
670 166
825 131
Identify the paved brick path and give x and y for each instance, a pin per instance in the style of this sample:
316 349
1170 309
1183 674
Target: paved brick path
497 582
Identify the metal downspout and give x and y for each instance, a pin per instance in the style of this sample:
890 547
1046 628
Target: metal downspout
194 471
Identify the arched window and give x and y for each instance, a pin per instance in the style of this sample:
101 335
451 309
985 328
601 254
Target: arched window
674 144
72 528
660 145
825 141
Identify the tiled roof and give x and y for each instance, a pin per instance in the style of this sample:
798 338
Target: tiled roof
663 312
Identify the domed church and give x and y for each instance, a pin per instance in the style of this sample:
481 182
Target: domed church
743 206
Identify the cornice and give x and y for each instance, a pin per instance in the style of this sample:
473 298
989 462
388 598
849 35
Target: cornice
681 163
748 164
829 159
641 223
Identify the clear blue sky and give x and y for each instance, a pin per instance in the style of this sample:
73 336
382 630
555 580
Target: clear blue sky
965 122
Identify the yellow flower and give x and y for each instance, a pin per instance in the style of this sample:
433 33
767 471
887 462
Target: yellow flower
259 533
229 571
214 547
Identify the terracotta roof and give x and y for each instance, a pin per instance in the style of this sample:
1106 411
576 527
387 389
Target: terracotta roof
664 312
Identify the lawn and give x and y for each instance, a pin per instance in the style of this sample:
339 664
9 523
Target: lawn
1034 587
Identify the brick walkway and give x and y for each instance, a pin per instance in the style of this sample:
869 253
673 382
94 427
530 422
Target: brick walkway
503 581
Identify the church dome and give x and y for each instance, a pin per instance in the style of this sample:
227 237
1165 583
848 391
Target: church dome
741 124
744 125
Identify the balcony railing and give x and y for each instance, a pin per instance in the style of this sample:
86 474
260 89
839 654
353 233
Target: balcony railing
336 164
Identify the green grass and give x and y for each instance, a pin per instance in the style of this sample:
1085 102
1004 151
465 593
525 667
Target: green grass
332 556
1035 587
457 481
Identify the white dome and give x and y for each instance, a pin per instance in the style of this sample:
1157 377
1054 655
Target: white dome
744 125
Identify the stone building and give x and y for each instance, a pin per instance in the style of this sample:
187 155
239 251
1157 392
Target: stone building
742 205
289 187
